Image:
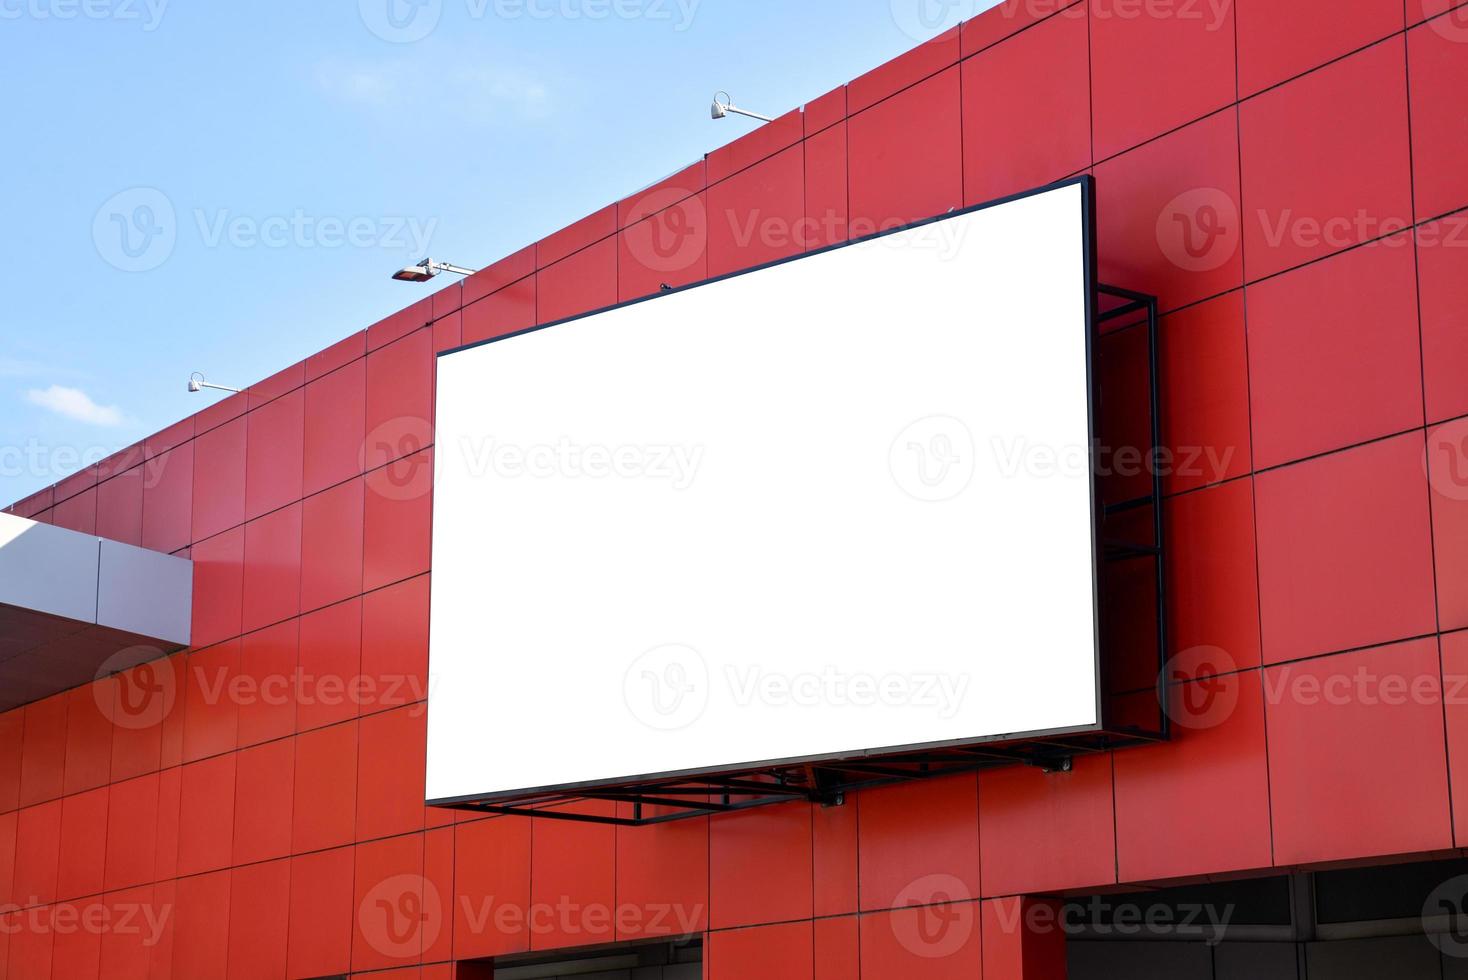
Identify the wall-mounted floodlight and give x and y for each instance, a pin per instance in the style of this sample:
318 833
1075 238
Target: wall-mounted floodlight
197 383
427 269
723 105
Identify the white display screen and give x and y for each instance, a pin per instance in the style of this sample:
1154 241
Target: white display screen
833 507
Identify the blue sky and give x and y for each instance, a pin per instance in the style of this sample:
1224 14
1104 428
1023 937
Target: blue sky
272 162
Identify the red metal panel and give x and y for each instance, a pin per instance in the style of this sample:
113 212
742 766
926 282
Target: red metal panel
272 577
1204 392
395 645
778 952
825 111
132 817
1455 700
760 866
669 248
326 788
505 311
1447 468
390 772
1012 16
264 795
259 919
125 954
1343 178
1357 766
1198 804
321 913
1438 59
757 215
491 887
88 739
756 145
12 727
201 927
165 852
1345 554
837 948
120 507
1022 939
335 425
83 844
211 707
267 668
581 283
219 479
834 858
936 942
399 399
1045 832
43 759
219 587
338 355
1168 214
168 499
1003 151
206 815
1334 357
827 211
1442 270
663 878
393 920
573 880
37 854
906 69
665 193
331 545
79 513
1278 41
400 324
330 666
906 157
438 887
909 834
575 237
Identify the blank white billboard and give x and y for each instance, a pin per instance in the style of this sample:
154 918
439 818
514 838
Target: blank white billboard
833 507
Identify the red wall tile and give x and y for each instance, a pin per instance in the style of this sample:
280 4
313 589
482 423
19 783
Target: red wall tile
88 738
669 248
1447 470
1438 60
1277 41
206 815
1204 390
83 844
910 833
1043 832
397 518
779 886
837 948
663 877
339 354
120 507
1334 357
906 69
219 479
826 195
259 919
12 727
335 426
37 854
1442 271
1326 161
579 284
940 942
781 952
263 799
1359 734
754 146
219 587
1168 214
272 577
168 499
834 858
757 216
390 772
505 311
393 920
267 704
577 236
1212 577
211 701
1455 709
201 927
573 868
132 817
331 545
1003 151
1345 554
906 156
321 914
400 324
491 887
43 758
274 464
395 645
79 513
330 659
325 808
1155 68
399 399
1198 804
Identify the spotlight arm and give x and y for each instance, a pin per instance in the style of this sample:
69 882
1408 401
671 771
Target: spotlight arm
457 270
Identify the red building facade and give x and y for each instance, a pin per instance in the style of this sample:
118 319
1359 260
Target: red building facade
1289 179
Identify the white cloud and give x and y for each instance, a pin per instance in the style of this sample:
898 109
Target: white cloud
73 403
393 86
